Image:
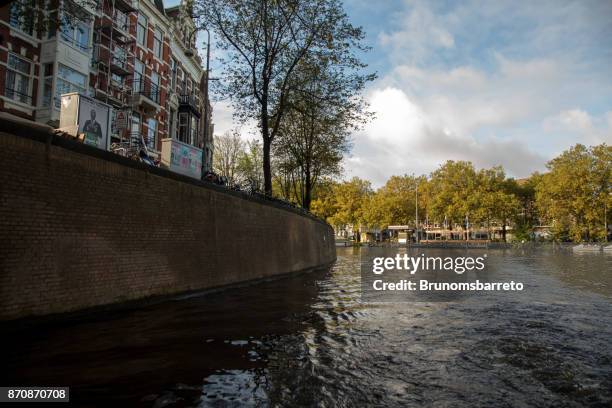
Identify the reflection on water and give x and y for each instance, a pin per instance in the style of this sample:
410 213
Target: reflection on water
310 341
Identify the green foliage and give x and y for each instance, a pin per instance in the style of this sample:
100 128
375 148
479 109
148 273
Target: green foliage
393 204
575 194
343 203
263 44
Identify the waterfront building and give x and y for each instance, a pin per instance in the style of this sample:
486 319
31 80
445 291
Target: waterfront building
135 55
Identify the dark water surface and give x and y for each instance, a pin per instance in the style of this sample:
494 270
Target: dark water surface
310 341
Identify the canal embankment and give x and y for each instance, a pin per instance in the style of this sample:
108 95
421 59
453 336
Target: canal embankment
82 227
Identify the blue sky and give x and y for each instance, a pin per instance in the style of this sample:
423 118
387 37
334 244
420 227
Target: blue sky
509 83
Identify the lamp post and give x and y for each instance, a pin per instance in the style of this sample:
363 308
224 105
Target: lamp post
190 53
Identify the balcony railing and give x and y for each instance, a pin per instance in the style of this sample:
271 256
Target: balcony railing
190 102
147 89
18 96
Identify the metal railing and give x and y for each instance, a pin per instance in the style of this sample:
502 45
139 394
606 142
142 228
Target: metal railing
147 89
188 99
17 96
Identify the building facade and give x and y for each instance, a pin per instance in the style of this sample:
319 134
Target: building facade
135 55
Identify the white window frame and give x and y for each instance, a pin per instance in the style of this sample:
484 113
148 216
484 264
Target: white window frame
152 133
70 34
18 76
72 86
139 75
142 30
158 42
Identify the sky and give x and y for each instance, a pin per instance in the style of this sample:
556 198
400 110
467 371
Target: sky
511 83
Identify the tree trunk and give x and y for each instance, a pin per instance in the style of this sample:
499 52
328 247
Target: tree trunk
308 188
267 172
267 143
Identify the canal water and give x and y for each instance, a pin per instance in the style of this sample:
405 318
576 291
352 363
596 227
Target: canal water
310 341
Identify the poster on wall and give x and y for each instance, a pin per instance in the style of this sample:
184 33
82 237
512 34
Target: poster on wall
93 122
82 116
182 158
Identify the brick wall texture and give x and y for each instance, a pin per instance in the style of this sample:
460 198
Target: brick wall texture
78 231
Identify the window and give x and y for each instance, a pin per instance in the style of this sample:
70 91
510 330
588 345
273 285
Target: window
75 32
118 79
138 75
135 128
151 133
171 123
120 56
47 86
52 25
158 40
155 91
141 30
173 75
121 20
18 18
194 131
17 86
68 80
155 80
183 126
181 83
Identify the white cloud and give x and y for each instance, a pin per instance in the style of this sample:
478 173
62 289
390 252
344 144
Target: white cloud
405 138
421 31
579 126
224 121
574 120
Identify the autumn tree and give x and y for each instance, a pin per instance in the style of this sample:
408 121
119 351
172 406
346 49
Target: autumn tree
575 193
493 199
263 42
344 202
394 203
454 185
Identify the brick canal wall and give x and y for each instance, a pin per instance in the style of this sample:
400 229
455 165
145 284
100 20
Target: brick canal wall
80 227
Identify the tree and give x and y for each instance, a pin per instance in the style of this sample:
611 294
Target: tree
494 197
264 41
325 109
342 203
249 169
323 203
453 186
348 201
228 150
575 193
394 203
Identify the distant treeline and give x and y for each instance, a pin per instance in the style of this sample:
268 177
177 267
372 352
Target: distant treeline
573 197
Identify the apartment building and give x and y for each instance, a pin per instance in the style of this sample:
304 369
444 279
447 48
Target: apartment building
135 55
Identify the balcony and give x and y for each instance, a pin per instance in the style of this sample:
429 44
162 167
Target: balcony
119 65
146 95
127 6
117 27
117 61
189 103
